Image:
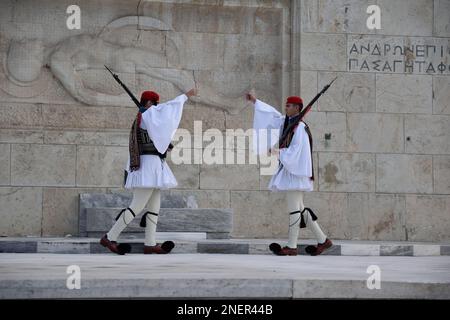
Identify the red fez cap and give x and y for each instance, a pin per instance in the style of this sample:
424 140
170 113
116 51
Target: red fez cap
294 100
150 95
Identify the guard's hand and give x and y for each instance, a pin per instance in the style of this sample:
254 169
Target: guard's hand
274 151
250 97
192 92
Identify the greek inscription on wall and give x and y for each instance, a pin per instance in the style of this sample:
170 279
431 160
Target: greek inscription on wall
398 55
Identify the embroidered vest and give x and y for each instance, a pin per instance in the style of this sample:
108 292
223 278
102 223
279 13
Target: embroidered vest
289 127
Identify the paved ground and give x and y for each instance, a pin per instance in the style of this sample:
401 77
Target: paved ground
222 276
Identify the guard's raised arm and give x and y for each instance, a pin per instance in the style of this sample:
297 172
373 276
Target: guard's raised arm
250 97
191 93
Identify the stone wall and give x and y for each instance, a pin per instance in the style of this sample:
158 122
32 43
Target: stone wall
381 148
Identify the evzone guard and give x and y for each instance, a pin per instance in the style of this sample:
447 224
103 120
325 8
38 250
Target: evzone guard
146 171
295 173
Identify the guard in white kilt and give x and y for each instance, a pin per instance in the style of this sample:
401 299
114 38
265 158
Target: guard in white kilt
146 171
295 174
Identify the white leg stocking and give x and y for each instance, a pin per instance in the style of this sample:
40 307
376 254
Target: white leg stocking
315 228
140 199
152 218
295 206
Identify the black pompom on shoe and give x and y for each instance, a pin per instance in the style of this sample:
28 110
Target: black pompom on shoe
275 248
311 249
124 248
168 246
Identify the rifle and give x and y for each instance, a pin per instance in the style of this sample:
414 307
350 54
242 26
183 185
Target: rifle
304 111
115 76
309 106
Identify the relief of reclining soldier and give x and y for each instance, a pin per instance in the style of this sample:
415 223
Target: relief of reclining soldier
69 58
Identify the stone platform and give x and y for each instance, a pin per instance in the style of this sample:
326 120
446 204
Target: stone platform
222 276
198 243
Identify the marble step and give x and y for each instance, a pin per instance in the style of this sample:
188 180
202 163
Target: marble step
179 213
216 223
197 243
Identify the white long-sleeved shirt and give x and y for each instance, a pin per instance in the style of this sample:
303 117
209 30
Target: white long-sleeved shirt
162 121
